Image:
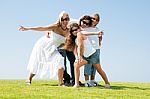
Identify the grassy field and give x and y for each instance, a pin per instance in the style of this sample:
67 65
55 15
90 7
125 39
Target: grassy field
48 89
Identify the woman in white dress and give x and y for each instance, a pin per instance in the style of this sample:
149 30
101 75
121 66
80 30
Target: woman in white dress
45 60
84 52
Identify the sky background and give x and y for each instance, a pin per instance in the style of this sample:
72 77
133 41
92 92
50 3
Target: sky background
125 51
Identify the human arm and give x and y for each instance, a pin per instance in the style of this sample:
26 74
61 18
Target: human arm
75 53
80 46
99 33
100 37
78 58
38 28
100 40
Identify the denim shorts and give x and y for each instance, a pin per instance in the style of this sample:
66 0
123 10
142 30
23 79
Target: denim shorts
93 59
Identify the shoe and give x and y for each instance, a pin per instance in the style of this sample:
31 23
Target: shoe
80 83
87 84
67 84
107 86
28 82
94 83
72 83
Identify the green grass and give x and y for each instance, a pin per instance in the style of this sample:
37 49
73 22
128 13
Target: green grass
48 89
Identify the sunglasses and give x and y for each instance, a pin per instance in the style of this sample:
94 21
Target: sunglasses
84 22
95 19
75 30
65 19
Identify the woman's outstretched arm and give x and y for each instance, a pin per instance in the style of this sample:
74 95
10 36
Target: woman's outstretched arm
38 28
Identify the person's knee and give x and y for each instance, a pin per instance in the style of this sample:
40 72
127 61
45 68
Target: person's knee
76 66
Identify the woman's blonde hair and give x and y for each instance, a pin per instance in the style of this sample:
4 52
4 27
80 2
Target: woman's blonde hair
58 22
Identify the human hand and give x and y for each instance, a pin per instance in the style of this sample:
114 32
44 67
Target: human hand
101 33
79 60
22 28
47 34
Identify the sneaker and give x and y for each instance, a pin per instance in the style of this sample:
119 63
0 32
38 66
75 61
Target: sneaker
107 86
80 83
87 84
94 83
67 84
72 83
28 82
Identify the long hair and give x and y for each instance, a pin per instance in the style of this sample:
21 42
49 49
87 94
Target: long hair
58 22
70 40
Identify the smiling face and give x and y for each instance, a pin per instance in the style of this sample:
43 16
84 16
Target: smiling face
95 19
75 30
65 19
85 23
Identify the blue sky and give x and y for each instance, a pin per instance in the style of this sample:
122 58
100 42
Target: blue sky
125 48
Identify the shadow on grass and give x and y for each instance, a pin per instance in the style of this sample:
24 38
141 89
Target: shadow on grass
102 87
68 85
49 84
126 87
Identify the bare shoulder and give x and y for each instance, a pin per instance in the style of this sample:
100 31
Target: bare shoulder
52 27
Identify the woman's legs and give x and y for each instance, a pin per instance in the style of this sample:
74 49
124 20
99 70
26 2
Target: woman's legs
31 75
77 71
101 72
71 59
60 75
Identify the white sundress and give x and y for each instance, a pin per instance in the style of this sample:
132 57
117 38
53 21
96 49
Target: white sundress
45 59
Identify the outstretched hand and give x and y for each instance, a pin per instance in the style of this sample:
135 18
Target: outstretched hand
101 33
22 28
47 34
